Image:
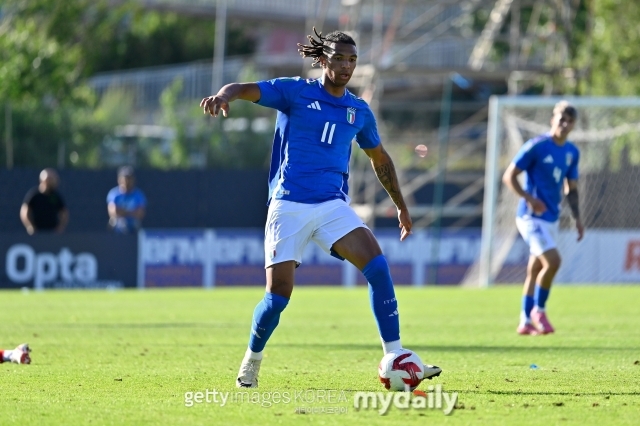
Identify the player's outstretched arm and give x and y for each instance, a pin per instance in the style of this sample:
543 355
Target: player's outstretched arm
386 172
229 93
571 191
510 179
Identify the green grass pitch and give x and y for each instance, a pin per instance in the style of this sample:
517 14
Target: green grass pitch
129 357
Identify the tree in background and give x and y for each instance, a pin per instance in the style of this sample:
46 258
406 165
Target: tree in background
49 47
609 51
242 140
608 62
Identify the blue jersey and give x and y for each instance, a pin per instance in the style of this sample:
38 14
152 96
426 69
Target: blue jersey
312 141
546 165
128 201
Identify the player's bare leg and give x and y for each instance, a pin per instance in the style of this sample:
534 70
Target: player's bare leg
358 247
550 261
280 278
533 270
361 248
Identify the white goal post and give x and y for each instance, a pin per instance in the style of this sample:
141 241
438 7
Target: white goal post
607 133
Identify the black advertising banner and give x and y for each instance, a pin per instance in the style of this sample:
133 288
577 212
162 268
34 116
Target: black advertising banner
75 260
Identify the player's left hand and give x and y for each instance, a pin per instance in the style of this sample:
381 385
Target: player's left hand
405 223
580 228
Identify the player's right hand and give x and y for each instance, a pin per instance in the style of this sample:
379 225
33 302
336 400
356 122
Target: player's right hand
537 205
214 104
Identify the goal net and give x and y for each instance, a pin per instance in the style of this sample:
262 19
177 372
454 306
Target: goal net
607 132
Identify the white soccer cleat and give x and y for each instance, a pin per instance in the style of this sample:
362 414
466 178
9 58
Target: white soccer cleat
431 371
20 355
248 374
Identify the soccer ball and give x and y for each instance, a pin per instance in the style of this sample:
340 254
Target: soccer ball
401 370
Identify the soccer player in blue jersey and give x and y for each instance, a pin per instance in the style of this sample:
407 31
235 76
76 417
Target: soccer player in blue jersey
316 122
126 204
550 163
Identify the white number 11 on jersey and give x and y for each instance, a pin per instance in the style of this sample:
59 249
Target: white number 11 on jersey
557 173
324 132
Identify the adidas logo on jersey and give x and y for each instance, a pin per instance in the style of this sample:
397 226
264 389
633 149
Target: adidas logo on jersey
548 159
314 105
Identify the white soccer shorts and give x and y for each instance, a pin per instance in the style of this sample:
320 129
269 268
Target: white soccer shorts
290 226
539 234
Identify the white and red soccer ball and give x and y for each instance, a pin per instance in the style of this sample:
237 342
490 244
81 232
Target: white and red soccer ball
401 370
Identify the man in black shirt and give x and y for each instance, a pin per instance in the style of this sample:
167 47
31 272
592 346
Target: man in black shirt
43 208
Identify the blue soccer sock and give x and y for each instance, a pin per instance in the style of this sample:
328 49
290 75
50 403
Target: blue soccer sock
383 298
541 295
527 306
266 317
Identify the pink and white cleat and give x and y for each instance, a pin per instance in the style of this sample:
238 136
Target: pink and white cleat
527 329
540 320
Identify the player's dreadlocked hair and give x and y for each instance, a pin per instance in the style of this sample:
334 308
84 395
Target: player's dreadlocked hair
318 47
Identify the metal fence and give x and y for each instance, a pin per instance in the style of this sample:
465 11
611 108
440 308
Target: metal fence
147 84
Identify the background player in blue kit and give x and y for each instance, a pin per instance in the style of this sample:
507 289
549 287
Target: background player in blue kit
308 193
126 204
550 163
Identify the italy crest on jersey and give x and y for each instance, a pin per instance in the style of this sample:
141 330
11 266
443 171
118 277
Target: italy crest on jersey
569 158
351 115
